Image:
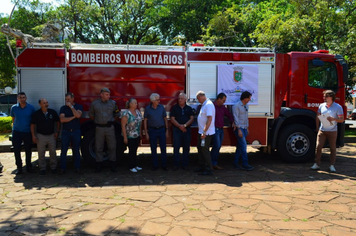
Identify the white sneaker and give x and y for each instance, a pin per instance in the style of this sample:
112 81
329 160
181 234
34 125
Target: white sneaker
315 167
332 169
138 168
133 170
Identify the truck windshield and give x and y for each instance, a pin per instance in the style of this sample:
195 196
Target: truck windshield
324 77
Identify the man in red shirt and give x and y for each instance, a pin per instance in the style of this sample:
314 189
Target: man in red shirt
220 112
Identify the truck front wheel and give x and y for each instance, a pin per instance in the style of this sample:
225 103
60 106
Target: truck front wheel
296 143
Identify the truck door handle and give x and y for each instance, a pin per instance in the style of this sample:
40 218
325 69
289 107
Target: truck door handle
305 98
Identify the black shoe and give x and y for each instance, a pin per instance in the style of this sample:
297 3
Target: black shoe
200 169
206 172
78 171
18 172
42 172
154 168
1 168
238 167
175 168
165 168
62 172
185 168
54 171
98 167
247 167
113 169
30 170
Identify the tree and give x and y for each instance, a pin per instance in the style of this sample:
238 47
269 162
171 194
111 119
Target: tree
112 21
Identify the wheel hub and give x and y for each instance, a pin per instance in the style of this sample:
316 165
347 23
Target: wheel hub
297 144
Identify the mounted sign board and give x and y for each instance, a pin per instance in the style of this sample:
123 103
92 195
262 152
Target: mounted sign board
233 80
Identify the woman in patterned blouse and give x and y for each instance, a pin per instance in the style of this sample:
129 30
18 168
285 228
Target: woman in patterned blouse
131 131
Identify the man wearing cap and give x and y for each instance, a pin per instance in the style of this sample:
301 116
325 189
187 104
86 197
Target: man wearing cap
104 111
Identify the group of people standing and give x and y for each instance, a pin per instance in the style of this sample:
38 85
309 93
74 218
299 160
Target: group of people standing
42 127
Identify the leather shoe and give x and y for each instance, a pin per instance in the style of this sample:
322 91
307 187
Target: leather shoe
200 169
30 170
185 168
1 168
217 167
206 172
18 172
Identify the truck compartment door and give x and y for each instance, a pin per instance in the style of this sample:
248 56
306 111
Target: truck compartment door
43 83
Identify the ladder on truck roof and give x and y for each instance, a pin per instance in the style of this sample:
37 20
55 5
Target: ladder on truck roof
228 49
125 47
46 45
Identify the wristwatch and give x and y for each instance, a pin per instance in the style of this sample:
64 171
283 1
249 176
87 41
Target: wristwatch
185 126
71 107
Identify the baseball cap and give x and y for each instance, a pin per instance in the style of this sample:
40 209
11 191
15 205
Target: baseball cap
105 90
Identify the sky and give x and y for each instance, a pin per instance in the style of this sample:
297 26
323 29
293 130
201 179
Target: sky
7 5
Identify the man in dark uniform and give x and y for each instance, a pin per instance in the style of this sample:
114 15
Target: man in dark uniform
45 128
104 111
69 115
181 118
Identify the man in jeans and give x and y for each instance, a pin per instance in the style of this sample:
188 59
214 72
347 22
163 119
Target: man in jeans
240 112
328 129
69 116
181 118
220 112
45 128
156 128
21 114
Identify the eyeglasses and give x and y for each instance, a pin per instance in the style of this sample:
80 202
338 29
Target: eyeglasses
245 108
157 100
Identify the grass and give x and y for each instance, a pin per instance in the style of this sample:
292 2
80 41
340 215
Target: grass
350 133
4 137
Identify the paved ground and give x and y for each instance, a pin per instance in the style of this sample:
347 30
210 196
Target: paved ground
274 199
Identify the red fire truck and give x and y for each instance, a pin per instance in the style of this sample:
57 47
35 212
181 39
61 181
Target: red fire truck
287 88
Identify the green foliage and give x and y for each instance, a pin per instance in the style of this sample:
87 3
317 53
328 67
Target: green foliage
5 124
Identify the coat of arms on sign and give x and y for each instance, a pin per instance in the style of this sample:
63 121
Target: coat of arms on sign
238 73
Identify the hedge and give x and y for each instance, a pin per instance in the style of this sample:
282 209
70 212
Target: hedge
5 124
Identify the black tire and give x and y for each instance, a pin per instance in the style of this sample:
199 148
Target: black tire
296 143
88 148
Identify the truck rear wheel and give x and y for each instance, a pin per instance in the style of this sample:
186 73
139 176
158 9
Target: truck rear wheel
88 147
296 143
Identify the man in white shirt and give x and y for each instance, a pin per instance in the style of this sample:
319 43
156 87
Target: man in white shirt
206 125
328 131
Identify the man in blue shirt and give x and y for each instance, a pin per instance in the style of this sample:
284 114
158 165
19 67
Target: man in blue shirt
21 114
156 127
69 116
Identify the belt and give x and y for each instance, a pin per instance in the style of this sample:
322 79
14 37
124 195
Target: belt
71 130
156 127
104 125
